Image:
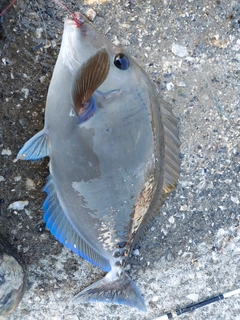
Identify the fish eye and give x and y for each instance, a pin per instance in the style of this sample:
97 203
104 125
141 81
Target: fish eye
121 61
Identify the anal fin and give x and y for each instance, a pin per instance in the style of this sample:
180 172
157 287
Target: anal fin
60 226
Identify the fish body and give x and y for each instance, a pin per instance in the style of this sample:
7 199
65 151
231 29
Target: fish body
114 156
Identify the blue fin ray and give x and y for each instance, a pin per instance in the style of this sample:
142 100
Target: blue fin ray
59 225
36 147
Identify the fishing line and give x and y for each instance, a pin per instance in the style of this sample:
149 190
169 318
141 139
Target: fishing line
45 54
4 10
61 4
27 84
215 99
72 14
197 305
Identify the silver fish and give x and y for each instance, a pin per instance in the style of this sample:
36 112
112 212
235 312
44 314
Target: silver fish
114 157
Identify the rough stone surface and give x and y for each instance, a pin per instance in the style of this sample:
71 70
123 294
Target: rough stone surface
12 280
192 251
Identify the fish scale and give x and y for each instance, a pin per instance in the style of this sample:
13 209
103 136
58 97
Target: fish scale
114 157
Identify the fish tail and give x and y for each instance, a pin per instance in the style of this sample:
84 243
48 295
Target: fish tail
120 290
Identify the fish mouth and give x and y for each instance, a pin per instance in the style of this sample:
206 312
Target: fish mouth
76 20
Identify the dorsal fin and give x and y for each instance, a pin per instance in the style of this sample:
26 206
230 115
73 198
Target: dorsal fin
172 159
88 78
171 168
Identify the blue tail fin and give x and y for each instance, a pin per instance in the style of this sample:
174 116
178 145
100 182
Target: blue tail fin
120 290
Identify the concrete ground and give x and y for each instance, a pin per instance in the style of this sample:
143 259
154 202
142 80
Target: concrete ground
191 51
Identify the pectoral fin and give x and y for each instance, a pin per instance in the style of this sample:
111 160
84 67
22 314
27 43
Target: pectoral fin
36 147
87 79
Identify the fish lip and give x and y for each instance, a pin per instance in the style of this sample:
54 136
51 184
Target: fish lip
76 20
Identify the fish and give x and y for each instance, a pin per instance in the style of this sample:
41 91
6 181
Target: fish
114 157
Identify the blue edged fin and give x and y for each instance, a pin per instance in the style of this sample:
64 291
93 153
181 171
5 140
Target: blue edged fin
64 232
119 290
36 147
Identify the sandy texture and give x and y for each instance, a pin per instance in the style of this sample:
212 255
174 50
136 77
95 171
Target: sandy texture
191 51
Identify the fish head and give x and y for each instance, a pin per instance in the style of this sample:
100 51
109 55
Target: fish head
81 41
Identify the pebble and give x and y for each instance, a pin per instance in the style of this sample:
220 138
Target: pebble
136 252
235 199
216 41
91 14
26 92
6 152
192 296
169 86
179 51
181 84
39 32
155 299
171 219
184 208
18 205
17 178
42 79
30 184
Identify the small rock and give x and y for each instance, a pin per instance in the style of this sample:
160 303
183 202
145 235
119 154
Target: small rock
236 47
53 43
39 32
136 252
6 152
18 205
26 92
222 207
17 178
193 296
91 14
42 79
30 184
169 86
184 208
126 42
181 84
179 51
171 219
235 199
2 179
13 281
155 298
116 41
216 41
